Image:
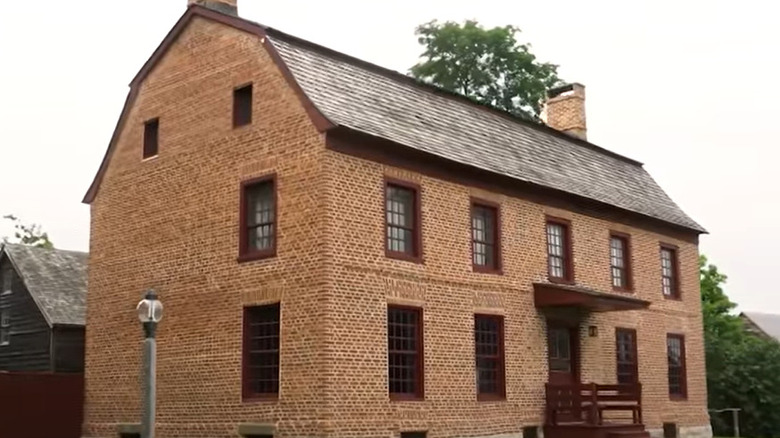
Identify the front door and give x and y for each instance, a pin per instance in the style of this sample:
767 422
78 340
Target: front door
562 346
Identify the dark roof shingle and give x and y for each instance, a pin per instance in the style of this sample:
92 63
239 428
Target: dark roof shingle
56 279
386 104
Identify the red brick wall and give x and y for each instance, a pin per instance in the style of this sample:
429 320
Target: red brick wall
171 223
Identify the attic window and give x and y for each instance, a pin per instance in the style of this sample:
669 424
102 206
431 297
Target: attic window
151 137
5 327
242 106
7 281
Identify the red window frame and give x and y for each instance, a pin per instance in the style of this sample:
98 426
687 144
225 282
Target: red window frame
632 366
628 283
415 255
675 293
151 138
266 314
495 209
242 105
395 356
679 369
245 252
497 355
567 252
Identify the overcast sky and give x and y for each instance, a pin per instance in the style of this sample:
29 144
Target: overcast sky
690 88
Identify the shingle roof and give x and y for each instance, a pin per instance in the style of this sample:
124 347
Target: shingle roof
387 104
56 280
767 322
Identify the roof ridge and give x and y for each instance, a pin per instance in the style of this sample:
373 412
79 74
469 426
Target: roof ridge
396 75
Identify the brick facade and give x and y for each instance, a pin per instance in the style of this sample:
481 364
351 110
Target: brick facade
171 222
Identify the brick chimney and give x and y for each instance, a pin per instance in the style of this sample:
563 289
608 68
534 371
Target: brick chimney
229 7
565 110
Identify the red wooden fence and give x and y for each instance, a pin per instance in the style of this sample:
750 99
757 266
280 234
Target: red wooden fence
41 405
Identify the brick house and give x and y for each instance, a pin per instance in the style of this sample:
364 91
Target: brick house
344 252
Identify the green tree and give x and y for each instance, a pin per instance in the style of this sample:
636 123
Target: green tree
31 235
743 370
487 65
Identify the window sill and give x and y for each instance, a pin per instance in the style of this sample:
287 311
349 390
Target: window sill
558 280
404 257
150 158
625 290
486 270
672 298
407 398
258 255
678 398
491 397
260 398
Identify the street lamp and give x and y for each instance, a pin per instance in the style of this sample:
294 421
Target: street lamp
150 312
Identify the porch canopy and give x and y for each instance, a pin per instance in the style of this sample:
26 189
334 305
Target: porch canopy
554 295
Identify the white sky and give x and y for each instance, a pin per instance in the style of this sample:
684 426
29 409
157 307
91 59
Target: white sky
689 87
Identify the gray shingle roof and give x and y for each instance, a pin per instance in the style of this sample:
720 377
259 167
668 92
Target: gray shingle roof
386 104
56 279
768 323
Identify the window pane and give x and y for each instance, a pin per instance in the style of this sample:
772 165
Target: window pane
400 217
404 360
626 357
617 256
676 360
260 220
483 236
489 345
261 349
556 250
667 271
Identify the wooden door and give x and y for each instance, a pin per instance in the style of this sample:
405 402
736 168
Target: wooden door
562 346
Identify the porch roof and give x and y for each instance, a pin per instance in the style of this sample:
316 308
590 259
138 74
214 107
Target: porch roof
554 295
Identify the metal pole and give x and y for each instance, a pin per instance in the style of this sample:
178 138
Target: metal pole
150 380
735 413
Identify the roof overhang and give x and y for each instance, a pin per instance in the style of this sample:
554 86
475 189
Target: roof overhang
553 295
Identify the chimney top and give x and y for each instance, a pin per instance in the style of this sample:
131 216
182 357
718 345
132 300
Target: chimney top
565 110
229 7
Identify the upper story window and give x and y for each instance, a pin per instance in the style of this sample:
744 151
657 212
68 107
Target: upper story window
405 352
151 137
489 344
7 286
242 106
675 346
485 236
5 327
403 217
261 352
669 272
559 252
258 218
620 261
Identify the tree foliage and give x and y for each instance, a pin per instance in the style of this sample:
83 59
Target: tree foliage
487 65
31 235
743 370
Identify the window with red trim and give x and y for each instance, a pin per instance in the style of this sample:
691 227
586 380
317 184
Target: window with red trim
675 347
405 352
559 257
620 261
669 280
402 215
485 237
151 137
627 360
258 218
261 351
489 345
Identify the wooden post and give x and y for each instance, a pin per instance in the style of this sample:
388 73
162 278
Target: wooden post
594 405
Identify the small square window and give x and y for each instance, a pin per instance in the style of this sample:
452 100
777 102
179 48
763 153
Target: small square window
151 137
242 106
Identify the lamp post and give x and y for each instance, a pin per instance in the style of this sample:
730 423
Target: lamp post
150 311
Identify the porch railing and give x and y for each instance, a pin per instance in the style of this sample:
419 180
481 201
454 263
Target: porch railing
586 403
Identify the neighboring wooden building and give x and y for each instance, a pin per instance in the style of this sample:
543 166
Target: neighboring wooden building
766 325
42 307
345 252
